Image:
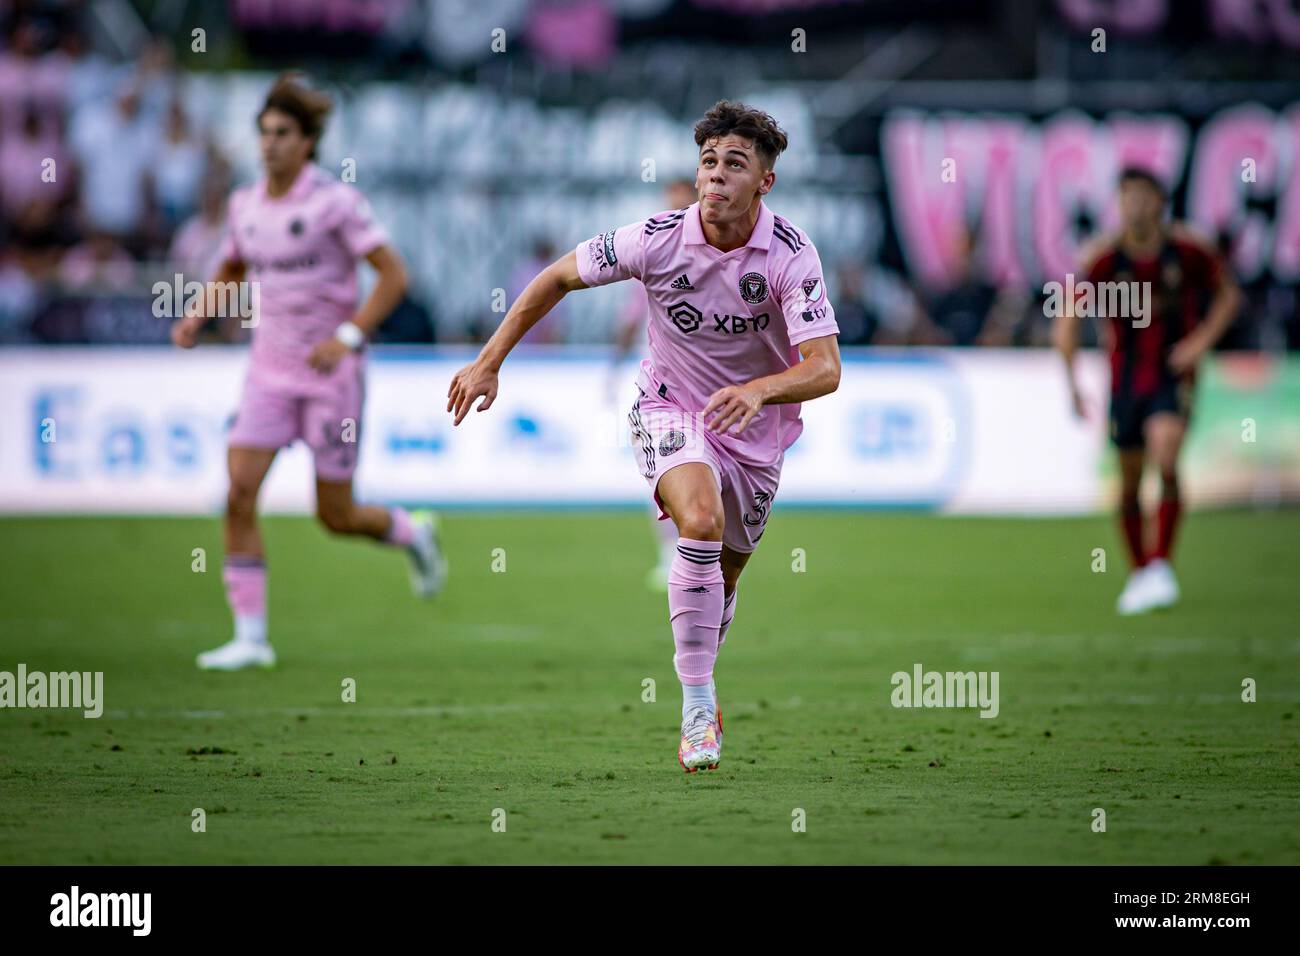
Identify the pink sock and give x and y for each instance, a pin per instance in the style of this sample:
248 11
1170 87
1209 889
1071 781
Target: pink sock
245 579
400 532
695 608
728 612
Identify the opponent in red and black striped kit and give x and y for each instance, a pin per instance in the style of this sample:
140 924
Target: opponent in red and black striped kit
1187 301
1181 277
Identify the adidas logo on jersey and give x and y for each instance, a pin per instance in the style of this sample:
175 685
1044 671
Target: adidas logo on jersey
683 283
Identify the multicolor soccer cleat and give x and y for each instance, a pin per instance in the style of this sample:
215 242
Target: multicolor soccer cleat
701 745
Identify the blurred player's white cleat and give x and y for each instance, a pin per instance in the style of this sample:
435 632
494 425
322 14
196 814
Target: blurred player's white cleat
1161 587
236 655
428 564
1134 599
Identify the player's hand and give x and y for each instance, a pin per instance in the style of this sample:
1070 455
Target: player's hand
326 356
473 381
1184 355
185 331
734 405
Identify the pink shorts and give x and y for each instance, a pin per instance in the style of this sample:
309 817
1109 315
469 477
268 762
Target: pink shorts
664 436
328 419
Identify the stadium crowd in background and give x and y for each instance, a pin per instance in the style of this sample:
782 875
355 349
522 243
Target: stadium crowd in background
111 183
103 170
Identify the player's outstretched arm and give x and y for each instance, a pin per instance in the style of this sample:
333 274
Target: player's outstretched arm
185 330
817 375
479 378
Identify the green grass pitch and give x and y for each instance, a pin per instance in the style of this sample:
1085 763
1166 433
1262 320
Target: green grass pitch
522 691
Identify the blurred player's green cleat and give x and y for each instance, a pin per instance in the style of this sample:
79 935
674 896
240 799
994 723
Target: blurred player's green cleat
428 564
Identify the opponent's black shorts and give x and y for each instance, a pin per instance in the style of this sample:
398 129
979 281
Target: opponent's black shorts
1129 413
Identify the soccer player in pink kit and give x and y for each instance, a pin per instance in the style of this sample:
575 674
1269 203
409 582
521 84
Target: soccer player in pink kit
740 333
297 235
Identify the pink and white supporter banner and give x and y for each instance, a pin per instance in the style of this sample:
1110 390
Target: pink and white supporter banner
1020 188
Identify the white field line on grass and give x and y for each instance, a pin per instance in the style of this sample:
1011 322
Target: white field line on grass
751 707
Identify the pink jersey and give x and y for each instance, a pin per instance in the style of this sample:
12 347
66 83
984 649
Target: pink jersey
719 318
634 309
302 250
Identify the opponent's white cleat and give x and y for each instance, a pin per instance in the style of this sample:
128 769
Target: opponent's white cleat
1161 586
236 655
1134 599
428 564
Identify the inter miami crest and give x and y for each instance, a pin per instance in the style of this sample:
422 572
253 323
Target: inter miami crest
672 442
753 287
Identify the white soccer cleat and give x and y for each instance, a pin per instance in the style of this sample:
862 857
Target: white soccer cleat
1134 598
428 564
236 655
1161 585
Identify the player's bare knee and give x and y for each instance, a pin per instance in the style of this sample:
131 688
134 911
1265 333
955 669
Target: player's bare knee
700 523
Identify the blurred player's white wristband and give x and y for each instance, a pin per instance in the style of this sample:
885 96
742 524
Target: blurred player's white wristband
350 335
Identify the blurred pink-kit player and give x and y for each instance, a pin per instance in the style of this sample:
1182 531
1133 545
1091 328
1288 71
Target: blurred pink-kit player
740 333
629 334
298 234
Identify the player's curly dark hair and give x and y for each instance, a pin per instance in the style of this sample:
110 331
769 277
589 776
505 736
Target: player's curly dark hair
727 117
290 94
